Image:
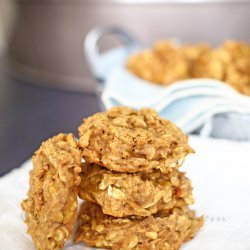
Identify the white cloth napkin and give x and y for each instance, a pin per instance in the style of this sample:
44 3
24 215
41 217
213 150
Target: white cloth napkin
219 171
189 103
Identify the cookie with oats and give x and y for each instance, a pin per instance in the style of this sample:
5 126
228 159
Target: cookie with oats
51 206
126 140
141 194
166 230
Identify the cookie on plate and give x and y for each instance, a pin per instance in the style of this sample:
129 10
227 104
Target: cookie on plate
51 206
126 140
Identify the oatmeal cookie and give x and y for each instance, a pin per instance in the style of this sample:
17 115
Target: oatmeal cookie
238 67
51 206
141 194
164 64
193 51
211 64
229 63
166 230
167 63
126 140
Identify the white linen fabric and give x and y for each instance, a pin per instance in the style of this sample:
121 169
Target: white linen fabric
219 171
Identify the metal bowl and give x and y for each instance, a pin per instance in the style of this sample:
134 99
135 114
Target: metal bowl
46 46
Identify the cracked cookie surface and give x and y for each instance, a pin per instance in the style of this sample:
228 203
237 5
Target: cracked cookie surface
51 206
141 194
126 140
163 231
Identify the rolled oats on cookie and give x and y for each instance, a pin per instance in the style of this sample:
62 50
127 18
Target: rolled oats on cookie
126 140
51 206
166 230
141 194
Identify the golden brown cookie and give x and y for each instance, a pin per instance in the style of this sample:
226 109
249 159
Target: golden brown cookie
167 63
163 64
51 206
126 140
229 63
141 194
238 67
166 230
210 64
193 51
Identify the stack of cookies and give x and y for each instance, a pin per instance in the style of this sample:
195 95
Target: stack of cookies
135 196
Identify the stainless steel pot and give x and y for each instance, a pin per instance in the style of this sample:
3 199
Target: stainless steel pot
46 46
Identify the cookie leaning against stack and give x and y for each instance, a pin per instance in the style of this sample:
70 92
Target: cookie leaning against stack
131 172
51 206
